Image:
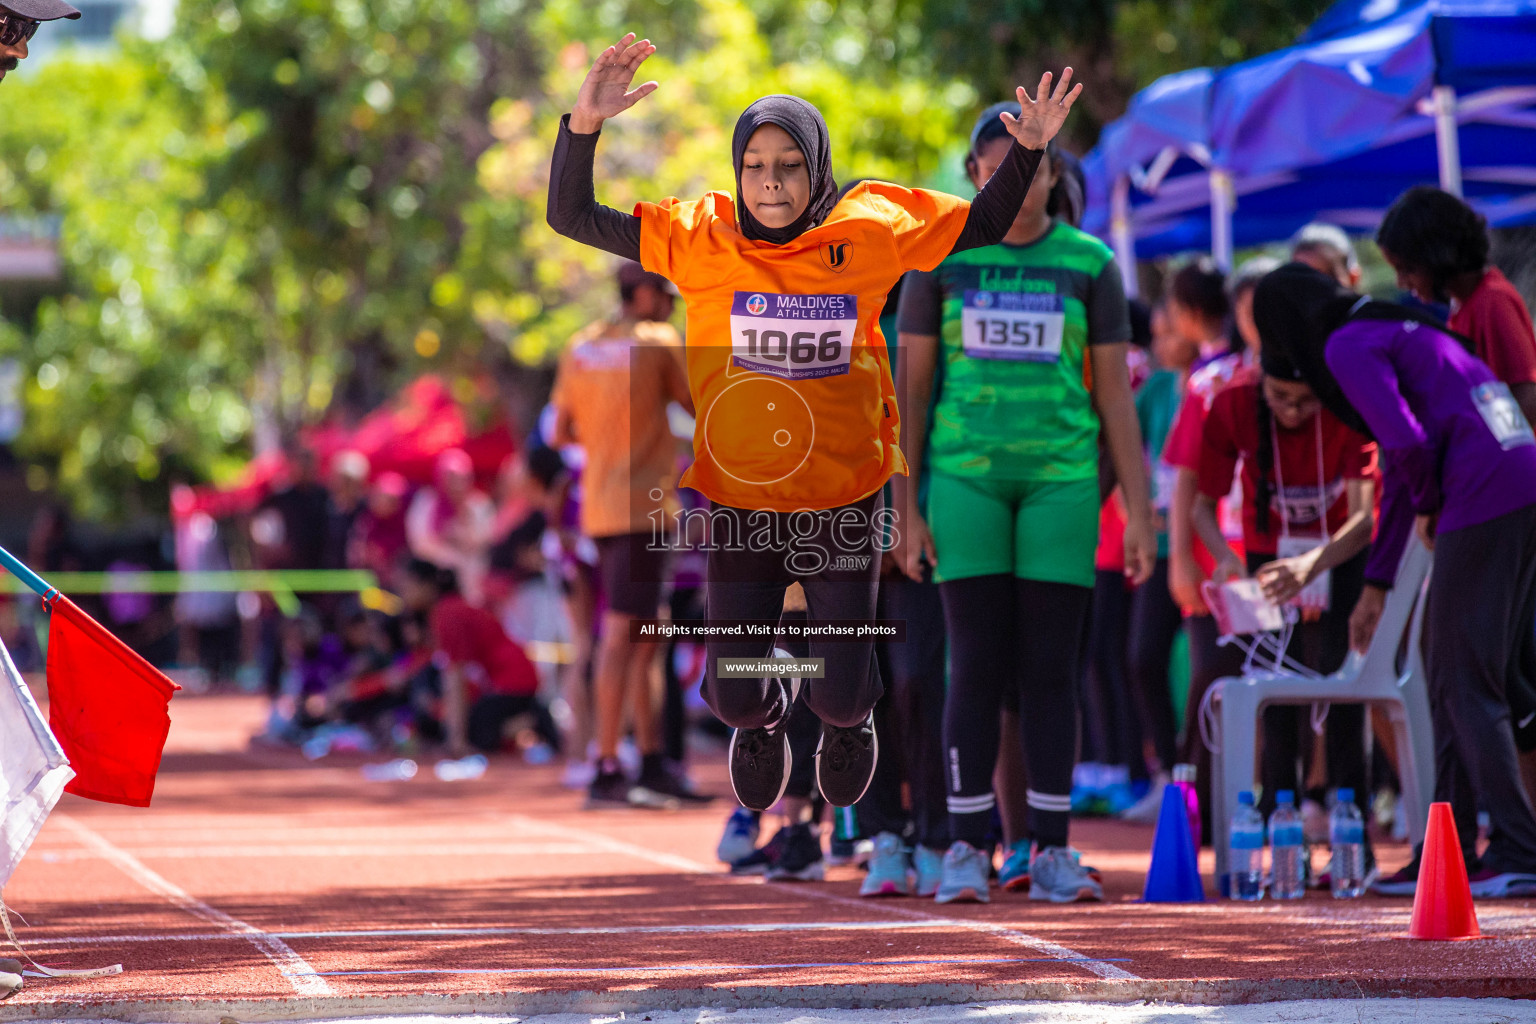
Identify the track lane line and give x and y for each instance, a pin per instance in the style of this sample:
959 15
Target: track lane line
509 849
1053 950
294 968
509 931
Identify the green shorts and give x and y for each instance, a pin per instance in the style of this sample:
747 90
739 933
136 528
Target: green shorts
1036 530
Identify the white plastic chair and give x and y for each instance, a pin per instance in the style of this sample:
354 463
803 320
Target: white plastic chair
1370 679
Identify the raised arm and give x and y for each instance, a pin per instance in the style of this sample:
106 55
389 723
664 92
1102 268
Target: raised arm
993 210
573 208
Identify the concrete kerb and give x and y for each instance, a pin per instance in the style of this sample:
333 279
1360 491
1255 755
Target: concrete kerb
192 1010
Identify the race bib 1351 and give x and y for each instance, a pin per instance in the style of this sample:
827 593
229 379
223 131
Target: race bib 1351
1012 325
795 337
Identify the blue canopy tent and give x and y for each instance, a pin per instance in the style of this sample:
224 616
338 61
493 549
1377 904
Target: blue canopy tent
1378 96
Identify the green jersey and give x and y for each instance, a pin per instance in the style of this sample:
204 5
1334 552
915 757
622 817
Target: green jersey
1015 323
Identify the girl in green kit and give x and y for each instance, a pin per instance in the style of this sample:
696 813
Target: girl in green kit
1030 339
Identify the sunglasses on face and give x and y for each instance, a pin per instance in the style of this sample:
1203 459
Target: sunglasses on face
15 30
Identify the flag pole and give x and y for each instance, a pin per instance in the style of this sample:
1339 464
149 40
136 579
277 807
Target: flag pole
14 565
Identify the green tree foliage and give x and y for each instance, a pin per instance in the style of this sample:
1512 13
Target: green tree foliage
290 206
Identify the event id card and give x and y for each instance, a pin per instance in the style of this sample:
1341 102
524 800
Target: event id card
1012 325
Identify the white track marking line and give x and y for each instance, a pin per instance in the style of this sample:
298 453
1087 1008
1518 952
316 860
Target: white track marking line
1051 949
299 973
1012 935
493 932
350 852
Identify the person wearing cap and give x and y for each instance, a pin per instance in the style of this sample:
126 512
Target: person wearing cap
19 20
1327 249
1030 335
615 382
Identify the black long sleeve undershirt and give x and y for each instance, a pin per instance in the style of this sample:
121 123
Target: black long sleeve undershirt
573 207
574 211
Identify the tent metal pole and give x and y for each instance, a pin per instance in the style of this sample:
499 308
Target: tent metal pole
1121 235
1223 199
1446 141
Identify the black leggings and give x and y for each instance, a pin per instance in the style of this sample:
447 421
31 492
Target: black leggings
1111 726
910 721
1005 633
747 579
1155 622
1481 664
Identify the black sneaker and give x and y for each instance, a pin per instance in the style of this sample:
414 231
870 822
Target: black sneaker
610 788
764 857
800 860
664 782
845 761
760 762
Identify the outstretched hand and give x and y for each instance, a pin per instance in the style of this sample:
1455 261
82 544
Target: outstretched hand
605 92
1040 119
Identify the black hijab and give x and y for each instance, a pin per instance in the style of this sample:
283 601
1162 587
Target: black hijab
1296 308
804 124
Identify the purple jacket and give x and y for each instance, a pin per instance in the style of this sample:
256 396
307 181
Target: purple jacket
1452 439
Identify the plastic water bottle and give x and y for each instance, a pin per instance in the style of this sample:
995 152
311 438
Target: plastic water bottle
1246 862
1184 777
1287 849
398 770
1346 834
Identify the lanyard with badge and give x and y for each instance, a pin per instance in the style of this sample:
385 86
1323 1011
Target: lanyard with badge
1021 326
1316 594
793 337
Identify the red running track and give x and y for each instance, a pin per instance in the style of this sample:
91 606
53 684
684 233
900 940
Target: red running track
275 888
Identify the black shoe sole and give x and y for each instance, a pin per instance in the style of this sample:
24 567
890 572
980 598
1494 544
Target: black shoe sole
783 782
874 760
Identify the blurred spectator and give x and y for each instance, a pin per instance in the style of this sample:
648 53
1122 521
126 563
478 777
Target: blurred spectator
18 636
487 680
1327 249
1439 247
289 532
51 546
349 490
378 531
208 620
450 525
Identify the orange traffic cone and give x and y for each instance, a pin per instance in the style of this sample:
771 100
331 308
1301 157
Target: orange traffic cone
1442 903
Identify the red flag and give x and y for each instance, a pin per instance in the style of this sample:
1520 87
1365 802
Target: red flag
107 706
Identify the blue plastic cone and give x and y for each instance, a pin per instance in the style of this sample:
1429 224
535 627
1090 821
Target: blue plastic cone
1174 876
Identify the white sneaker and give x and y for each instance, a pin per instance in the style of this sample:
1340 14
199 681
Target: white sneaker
1056 875
964 877
1146 810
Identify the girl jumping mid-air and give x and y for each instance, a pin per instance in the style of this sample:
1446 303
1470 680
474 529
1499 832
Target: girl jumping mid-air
798 428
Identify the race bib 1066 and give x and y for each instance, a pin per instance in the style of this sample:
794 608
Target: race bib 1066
1012 325
796 337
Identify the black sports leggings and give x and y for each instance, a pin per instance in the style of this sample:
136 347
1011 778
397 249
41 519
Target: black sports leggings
1006 632
1111 723
1155 622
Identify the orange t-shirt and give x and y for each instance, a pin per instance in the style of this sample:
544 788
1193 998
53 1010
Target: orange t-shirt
788 369
616 391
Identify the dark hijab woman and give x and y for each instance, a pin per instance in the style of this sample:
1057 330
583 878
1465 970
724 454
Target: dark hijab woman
806 126
1459 462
